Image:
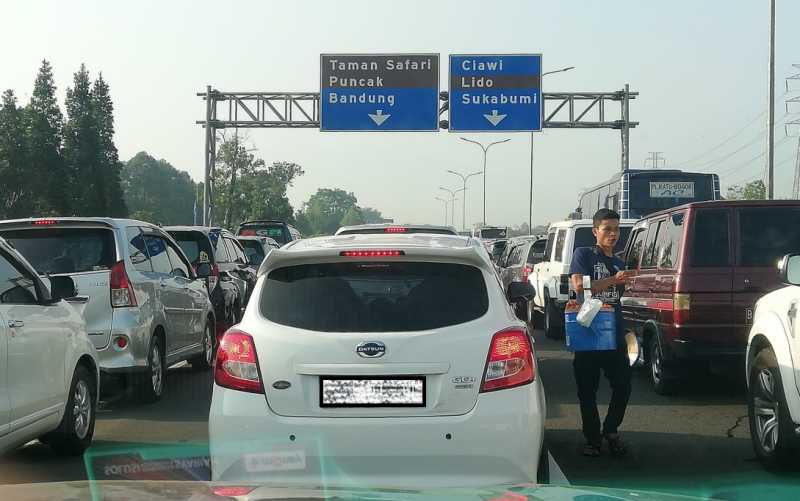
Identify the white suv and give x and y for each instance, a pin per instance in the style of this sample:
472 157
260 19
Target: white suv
385 360
773 370
48 366
550 278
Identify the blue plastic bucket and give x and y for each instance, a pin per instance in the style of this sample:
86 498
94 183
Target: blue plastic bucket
600 336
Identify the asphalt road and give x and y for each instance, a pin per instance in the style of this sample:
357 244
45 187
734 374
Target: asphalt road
695 442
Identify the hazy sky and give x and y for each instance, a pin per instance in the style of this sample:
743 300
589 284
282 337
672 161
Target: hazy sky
700 67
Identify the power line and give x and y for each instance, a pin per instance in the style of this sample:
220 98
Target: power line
760 136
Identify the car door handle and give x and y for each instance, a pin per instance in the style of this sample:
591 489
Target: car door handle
15 323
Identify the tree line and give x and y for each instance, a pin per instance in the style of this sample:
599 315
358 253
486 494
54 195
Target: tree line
52 165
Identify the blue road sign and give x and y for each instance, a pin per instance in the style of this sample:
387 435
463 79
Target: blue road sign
379 92
498 92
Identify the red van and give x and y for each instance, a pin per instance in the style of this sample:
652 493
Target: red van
701 268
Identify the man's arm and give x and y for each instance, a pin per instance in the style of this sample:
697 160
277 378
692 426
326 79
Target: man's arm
597 285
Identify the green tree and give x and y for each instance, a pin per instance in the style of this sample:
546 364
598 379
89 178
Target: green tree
82 149
110 165
45 137
352 217
157 192
754 190
372 216
16 189
325 210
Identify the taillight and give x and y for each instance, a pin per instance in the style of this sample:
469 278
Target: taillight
236 366
510 361
681 304
231 491
121 289
44 222
372 253
213 279
526 271
395 229
247 233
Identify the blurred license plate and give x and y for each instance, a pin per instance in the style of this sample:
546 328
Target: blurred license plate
372 392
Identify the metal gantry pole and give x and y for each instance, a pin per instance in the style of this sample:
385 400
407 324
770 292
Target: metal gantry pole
530 197
626 131
207 154
771 98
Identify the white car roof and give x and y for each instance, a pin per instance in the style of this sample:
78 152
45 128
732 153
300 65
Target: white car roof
380 226
417 246
573 223
107 221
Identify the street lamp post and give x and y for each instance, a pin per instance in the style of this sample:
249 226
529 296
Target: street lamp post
445 208
453 202
485 150
530 197
464 179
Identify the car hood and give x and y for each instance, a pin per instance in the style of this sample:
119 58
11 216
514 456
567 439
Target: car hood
146 490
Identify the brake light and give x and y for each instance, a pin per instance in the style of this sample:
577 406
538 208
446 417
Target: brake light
526 271
44 222
231 491
681 304
372 253
395 229
213 279
236 365
121 288
247 233
510 361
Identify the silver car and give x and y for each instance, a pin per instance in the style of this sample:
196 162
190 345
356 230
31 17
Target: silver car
145 307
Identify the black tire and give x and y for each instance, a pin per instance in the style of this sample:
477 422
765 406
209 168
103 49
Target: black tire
150 384
543 471
658 377
771 429
74 435
553 321
205 360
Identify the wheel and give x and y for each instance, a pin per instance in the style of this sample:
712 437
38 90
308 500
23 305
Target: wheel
205 360
553 324
543 471
150 384
657 373
74 434
770 423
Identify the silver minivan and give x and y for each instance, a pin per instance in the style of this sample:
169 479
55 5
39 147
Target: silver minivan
145 307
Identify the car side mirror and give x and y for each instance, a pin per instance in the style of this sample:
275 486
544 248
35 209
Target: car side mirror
520 292
790 269
62 287
203 270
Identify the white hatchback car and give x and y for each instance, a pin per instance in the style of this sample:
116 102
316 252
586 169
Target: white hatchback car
48 366
380 361
773 370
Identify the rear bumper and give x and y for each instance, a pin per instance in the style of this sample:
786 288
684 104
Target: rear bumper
131 324
686 345
497 442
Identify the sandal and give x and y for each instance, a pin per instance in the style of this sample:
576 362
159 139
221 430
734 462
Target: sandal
615 445
591 450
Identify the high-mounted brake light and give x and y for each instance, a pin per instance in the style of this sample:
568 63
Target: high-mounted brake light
395 229
44 222
122 294
236 365
510 361
372 253
247 233
231 490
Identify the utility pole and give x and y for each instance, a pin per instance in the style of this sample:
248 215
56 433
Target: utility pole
655 157
485 150
453 202
796 184
445 208
771 97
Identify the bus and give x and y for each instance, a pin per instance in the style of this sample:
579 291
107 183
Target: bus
636 193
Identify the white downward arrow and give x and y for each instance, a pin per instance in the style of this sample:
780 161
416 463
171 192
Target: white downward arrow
379 117
494 118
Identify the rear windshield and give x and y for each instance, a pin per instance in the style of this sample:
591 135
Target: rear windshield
275 231
253 250
194 244
585 238
488 233
375 231
374 297
65 250
766 234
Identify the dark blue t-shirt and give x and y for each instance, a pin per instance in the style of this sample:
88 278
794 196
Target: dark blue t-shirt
593 262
